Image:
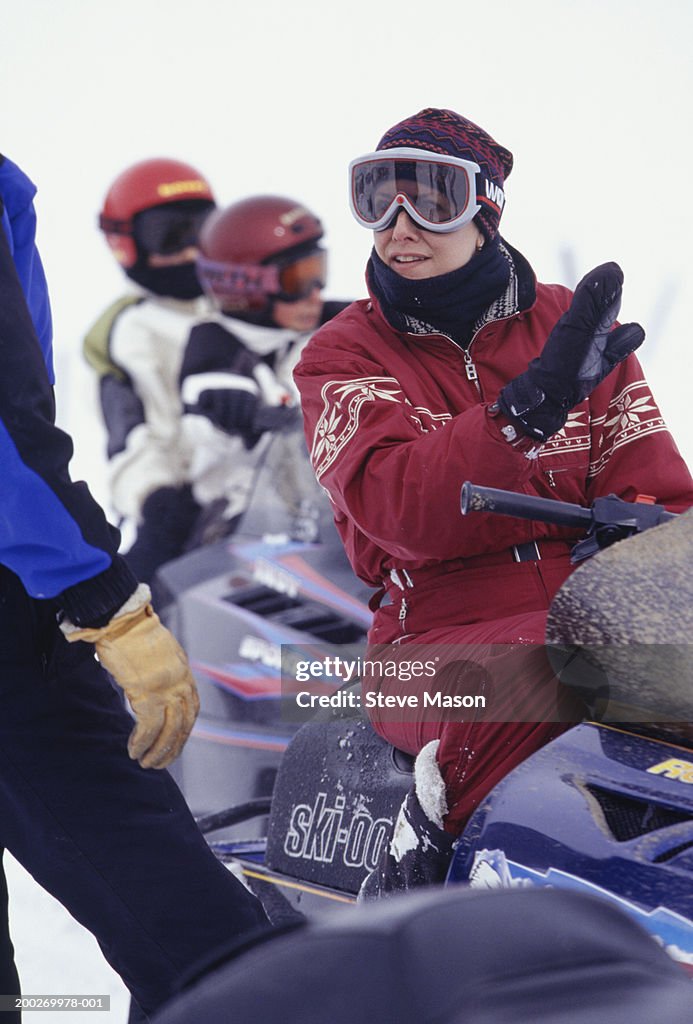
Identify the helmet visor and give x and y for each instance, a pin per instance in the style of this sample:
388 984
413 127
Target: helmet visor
438 192
166 230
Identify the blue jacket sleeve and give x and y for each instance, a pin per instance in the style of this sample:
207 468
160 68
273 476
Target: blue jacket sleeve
19 224
53 534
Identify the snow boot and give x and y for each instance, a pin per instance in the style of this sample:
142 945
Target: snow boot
420 850
168 515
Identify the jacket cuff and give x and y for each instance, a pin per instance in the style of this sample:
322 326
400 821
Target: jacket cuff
521 442
95 601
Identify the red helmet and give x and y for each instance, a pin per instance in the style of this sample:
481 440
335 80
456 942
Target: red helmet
270 232
143 186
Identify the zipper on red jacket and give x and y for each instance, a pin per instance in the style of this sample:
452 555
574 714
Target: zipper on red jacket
403 609
396 577
471 370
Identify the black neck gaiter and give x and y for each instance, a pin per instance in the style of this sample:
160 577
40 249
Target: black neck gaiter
449 303
177 282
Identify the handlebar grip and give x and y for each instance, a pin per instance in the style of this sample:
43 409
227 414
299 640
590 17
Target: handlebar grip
522 506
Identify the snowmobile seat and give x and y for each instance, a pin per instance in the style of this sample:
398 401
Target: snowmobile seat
619 628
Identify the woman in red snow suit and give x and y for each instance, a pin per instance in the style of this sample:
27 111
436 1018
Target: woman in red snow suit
461 366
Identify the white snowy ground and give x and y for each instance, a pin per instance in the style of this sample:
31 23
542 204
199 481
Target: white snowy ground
56 956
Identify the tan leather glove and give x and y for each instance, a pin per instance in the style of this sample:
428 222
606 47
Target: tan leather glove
149 664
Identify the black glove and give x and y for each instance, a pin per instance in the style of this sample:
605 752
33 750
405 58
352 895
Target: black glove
276 417
579 353
242 412
231 410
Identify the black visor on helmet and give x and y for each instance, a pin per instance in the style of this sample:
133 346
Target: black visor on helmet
171 228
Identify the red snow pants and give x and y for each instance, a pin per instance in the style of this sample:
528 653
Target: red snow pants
483 629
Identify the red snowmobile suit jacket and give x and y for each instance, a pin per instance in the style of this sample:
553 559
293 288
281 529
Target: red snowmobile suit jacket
397 421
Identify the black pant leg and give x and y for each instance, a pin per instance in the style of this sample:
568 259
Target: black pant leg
114 843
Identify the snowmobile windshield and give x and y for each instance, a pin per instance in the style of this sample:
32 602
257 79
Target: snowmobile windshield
438 192
285 498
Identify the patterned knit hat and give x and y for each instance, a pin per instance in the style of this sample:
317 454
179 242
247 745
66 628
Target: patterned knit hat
444 131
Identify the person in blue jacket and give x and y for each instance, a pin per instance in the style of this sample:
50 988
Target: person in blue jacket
80 806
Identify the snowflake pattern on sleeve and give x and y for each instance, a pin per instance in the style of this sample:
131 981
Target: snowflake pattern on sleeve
339 420
632 414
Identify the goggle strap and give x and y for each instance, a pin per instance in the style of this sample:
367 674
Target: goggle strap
489 194
111 226
234 276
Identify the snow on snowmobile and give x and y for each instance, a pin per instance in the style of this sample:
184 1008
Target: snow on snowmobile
606 809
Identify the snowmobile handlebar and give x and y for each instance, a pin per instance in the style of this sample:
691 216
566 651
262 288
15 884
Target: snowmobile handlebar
606 521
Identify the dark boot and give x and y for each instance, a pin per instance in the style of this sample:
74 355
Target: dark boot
420 850
168 517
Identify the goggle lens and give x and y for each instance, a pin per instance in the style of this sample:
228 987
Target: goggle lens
299 279
438 192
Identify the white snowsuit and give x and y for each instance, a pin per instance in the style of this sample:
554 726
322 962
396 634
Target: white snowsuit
225 353
136 348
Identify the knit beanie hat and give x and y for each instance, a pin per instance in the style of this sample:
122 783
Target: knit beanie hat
444 131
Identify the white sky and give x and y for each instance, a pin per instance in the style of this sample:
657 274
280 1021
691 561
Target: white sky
592 96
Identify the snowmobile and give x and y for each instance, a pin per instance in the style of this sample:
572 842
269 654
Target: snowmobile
604 810
280 578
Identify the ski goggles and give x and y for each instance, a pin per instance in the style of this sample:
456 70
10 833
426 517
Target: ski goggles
165 230
438 192
248 286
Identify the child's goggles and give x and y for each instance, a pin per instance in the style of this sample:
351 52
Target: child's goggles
249 286
438 192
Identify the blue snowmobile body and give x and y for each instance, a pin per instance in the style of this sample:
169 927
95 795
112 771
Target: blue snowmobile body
599 810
